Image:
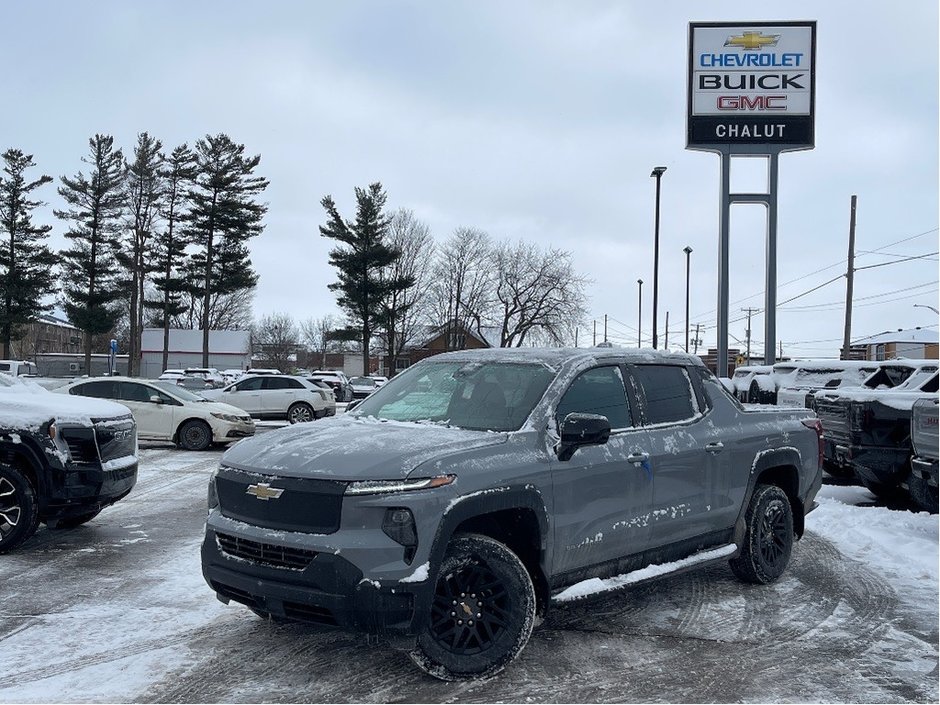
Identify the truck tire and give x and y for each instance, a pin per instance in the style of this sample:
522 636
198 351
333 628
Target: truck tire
768 537
471 634
19 508
924 494
195 435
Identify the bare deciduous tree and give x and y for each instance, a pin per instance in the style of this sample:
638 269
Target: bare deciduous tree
276 337
226 311
537 292
317 334
403 309
463 283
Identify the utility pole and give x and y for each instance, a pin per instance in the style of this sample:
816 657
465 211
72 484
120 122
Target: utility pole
605 327
749 311
849 284
696 341
666 346
658 175
639 315
594 341
781 348
576 329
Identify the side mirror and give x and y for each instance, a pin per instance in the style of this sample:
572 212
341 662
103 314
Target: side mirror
156 399
579 430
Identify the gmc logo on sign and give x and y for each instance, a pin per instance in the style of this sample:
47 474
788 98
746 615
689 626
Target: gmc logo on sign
758 102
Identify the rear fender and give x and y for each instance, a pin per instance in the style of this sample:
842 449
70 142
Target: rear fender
774 466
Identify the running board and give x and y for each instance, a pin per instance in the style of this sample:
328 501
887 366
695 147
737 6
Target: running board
596 586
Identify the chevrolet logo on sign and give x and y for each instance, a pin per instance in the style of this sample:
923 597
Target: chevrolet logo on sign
264 491
752 41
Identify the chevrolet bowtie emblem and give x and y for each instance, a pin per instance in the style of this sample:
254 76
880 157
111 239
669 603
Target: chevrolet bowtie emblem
752 41
264 491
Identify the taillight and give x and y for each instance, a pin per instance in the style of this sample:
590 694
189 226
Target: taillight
816 425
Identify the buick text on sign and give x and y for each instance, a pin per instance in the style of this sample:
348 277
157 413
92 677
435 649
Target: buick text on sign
751 84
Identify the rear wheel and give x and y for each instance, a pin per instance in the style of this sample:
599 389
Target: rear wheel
301 412
482 612
195 435
19 508
768 537
924 494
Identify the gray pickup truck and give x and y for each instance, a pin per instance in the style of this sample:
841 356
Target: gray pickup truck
445 511
923 480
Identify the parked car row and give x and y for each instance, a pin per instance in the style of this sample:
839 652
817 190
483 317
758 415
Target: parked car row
868 432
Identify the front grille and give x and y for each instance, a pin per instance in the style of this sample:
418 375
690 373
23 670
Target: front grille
304 504
265 553
81 444
117 438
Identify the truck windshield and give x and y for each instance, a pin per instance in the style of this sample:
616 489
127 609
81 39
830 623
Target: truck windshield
481 396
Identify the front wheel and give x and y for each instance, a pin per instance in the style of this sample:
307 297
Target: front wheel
768 537
482 612
19 508
195 435
300 413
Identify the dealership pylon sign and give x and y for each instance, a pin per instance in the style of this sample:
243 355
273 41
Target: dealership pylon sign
751 84
752 93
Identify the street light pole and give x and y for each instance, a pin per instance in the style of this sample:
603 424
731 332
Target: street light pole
639 316
926 306
657 174
688 253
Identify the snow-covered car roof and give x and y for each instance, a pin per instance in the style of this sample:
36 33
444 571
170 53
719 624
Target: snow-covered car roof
554 358
24 404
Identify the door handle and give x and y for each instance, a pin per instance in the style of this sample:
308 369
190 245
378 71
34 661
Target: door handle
715 447
637 458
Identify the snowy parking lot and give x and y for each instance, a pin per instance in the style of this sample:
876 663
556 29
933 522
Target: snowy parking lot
117 610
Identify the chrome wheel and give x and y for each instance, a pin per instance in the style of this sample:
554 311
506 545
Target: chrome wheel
10 510
300 413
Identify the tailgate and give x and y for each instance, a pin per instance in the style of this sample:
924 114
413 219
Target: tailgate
924 427
834 415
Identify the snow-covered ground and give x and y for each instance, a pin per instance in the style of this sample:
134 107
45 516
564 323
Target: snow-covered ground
118 611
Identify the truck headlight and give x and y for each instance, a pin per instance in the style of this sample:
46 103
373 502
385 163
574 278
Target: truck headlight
386 486
212 498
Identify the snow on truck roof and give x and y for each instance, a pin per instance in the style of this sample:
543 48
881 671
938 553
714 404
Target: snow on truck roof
556 357
24 404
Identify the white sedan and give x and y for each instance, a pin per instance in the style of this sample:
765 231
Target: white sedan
166 412
277 397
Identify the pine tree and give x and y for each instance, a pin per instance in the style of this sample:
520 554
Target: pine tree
223 215
91 278
169 246
363 286
26 262
144 194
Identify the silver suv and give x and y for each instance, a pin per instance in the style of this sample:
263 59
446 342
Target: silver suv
448 508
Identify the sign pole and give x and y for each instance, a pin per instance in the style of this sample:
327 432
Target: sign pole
724 268
770 286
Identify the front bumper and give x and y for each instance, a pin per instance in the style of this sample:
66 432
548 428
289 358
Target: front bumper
319 588
82 488
227 431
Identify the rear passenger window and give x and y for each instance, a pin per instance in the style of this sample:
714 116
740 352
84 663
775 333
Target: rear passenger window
597 391
101 390
668 392
273 382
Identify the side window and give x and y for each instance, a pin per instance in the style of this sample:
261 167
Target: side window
101 390
597 391
130 391
249 385
669 393
273 382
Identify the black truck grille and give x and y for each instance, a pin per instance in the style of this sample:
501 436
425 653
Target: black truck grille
117 438
266 553
284 503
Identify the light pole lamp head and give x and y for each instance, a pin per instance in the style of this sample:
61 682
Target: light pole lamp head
658 171
687 250
640 282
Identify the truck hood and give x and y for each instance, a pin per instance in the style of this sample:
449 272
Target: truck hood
349 448
30 406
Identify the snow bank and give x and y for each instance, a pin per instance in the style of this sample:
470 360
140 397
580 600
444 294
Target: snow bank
24 404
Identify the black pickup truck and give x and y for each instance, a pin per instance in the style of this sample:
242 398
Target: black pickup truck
867 432
62 459
923 482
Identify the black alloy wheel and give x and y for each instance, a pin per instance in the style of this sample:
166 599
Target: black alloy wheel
19 508
482 612
768 537
195 435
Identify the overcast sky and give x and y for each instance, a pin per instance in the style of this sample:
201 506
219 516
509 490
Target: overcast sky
531 120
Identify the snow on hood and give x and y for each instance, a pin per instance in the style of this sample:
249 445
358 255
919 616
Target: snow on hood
24 404
348 448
